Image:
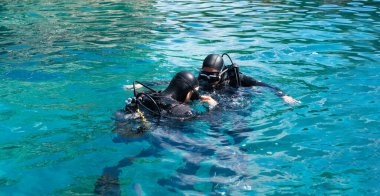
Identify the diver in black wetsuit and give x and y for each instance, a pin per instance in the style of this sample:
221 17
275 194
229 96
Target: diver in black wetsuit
171 102
216 76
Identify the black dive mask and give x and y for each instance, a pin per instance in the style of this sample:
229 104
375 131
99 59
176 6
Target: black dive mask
211 77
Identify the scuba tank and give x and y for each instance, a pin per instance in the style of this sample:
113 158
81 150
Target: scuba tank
235 75
140 99
152 103
131 121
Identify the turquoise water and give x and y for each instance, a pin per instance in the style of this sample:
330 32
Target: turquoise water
63 64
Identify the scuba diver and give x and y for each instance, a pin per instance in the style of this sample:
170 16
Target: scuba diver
215 75
170 103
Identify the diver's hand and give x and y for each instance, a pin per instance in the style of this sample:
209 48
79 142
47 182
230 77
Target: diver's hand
130 86
290 100
211 102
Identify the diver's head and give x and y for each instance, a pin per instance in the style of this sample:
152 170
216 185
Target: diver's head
212 69
183 86
213 62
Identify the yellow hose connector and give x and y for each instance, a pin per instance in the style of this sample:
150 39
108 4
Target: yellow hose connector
145 123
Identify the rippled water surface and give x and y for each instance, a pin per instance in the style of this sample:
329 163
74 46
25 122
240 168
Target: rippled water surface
63 64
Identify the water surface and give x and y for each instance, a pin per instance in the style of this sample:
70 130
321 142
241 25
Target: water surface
63 64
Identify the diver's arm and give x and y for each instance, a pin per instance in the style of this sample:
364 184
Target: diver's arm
155 83
247 81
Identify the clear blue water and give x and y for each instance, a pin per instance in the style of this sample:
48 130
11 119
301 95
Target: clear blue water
63 64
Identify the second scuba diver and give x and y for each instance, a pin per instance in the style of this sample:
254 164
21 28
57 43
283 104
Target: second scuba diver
171 102
216 76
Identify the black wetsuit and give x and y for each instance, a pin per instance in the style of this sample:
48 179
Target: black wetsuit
166 106
170 102
245 81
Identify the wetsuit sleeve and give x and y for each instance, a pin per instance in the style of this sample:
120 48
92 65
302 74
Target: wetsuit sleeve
247 81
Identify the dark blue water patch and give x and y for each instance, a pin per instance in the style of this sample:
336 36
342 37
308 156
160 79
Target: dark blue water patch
20 64
3 54
58 60
98 56
141 46
57 137
4 33
86 55
7 182
33 76
19 47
